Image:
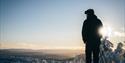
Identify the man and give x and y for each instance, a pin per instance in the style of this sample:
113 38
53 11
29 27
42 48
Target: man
91 36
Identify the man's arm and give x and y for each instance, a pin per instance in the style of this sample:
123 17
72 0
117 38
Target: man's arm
84 32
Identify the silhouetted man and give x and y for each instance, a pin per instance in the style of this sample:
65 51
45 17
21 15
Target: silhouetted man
91 36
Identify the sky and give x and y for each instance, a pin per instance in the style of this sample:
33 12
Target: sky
56 24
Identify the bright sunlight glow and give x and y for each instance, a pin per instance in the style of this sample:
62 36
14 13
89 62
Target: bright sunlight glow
105 31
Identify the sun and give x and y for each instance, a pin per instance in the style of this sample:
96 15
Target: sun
105 31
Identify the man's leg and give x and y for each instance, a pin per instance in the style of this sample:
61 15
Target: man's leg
96 54
88 54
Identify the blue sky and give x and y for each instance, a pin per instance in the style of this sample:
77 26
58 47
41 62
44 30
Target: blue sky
40 24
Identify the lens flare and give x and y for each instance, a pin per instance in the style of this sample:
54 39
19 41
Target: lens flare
105 31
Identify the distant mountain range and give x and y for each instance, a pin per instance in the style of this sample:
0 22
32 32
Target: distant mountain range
48 55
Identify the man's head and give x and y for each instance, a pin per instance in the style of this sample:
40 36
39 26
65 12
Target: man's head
89 12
